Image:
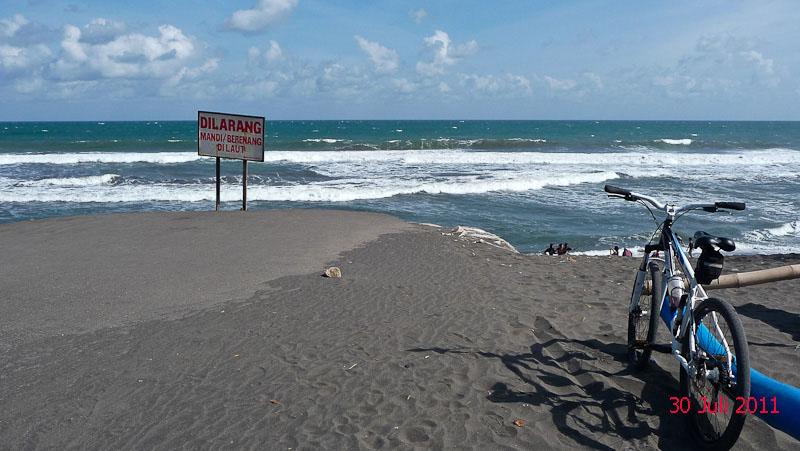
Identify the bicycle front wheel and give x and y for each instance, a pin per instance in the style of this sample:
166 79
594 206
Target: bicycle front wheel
643 320
721 378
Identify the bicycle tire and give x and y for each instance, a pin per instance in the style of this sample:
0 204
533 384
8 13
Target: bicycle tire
641 326
700 424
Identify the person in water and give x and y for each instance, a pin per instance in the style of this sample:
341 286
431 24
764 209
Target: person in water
615 250
627 252
563 249
550 250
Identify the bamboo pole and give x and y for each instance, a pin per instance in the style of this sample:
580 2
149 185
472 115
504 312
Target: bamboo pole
745 279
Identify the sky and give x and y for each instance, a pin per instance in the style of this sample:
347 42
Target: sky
437 59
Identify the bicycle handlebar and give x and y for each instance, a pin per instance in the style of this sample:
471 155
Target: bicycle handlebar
615 190
730 205
631 196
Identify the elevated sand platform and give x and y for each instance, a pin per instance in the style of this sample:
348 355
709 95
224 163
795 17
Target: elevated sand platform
429 340
80 274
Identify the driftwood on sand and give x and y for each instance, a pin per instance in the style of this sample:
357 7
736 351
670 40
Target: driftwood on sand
744 279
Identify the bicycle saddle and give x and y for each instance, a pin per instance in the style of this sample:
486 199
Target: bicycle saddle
703 240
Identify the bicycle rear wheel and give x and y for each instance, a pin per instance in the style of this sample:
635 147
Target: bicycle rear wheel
643 320
718 381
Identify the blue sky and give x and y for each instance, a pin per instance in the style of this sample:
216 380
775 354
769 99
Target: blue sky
309 59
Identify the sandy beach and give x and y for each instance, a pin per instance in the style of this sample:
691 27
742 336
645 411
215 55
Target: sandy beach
203 330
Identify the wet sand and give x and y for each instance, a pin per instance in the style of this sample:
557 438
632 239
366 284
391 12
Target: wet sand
429 340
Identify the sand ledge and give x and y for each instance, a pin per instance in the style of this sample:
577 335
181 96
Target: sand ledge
426 341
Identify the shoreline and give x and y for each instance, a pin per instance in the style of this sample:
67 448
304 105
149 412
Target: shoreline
429 339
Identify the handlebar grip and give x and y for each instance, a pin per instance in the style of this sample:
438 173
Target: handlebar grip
730 205
614 190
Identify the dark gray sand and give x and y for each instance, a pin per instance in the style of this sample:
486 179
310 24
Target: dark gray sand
83 273
427 341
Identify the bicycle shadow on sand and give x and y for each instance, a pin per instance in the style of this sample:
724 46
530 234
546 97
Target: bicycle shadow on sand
582 397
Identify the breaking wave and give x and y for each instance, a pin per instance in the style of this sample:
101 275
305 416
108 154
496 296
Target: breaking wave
98 157
92 180
327 191
676 142
788 229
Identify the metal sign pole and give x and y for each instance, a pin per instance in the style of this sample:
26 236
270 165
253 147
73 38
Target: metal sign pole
244 185
217 204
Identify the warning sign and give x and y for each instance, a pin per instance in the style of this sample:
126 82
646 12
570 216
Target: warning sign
230 136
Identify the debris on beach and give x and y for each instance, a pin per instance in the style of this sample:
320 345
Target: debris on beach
481 236
333 271
519 422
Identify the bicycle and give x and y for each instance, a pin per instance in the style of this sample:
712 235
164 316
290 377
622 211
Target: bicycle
713 354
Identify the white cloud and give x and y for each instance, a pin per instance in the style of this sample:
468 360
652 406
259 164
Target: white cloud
556 84
386 60
10 26
127 56
445 53
101 30
594 79
192 73
497 84
29 85
273 53
13 58
418 15
519 81
344 82
258 18
404 86
719 65
755 57
260 89
444 87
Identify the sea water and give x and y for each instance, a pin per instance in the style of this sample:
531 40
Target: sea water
531 182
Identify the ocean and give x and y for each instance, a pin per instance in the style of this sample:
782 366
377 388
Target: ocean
530 182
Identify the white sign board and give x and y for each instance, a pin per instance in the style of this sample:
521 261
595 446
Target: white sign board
230 136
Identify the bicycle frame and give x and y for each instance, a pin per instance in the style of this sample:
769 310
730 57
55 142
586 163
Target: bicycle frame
675 260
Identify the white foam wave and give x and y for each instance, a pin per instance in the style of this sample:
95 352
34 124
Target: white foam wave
791 229
593 253
678 142
528 140
322 140
92 180
746 248
742 248
788 229
98 157
615 159
745 160
328 191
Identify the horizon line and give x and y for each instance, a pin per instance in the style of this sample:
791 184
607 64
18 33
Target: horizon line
410 120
